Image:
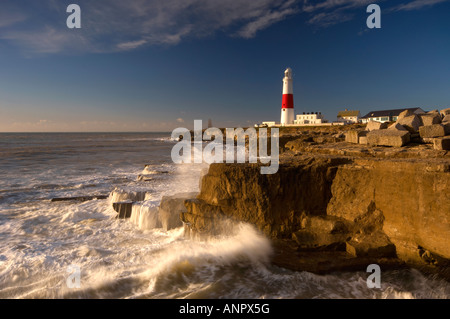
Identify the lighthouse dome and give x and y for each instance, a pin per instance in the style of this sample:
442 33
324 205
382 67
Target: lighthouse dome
288 72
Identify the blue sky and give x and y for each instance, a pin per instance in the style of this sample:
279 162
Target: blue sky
156 65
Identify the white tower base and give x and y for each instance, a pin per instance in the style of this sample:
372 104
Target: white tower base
287 116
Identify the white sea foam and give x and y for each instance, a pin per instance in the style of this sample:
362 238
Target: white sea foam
145 215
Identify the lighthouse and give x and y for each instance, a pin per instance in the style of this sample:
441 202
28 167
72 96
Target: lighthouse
287 106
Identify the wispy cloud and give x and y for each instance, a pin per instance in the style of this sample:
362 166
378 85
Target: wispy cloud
330 12
117 25
417 4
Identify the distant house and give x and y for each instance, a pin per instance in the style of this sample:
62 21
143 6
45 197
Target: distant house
309 118
348 116
388 115
268 124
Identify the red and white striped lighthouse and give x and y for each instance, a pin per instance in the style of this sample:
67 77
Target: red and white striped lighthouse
287 107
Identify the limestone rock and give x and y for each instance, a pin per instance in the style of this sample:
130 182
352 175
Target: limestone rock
414 214
298 144
374 125
398 127
404 198
404 114
144 178
411 123
445 112
170 209
121 195
446 119
353 136
363 140
435 130
123 208
376 245
392 137
427 140
318 241
431 118
326 224
442 143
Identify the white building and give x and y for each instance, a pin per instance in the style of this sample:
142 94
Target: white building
348 117
309 118
388 115
268 124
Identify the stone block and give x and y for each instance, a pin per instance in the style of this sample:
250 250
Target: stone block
445 112
395 138
124 209
353 136
397 127
411 123
442 144
374 125
446 119
363 140
431 118
436 130
405 113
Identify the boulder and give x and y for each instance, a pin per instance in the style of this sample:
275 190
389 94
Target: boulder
374 125
397 127
435 130
123 208
363 140
411 123
144 178
326 224
427 140
353 136
442 143
170 209
376 245
446 119
405 113
122 195
445 112
392 137
431 118
318 241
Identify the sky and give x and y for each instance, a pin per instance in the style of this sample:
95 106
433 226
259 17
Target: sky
156 65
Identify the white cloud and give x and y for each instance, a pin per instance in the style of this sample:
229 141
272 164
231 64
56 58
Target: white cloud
180 120
417 4
117 25
331 12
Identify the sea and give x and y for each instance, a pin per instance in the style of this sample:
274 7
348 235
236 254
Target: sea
79 249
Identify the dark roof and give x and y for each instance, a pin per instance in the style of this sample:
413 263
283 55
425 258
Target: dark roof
384 113
348 113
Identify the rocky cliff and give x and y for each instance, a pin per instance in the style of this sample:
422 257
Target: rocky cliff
327 209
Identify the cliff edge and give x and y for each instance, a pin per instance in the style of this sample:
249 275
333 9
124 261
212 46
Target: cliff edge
335 205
